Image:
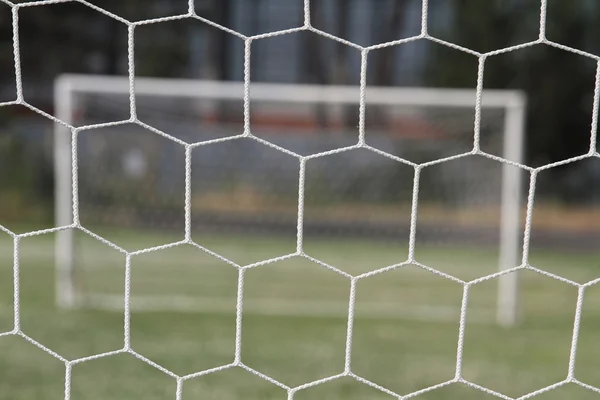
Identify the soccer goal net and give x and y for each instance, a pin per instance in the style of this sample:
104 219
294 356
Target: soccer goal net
204 166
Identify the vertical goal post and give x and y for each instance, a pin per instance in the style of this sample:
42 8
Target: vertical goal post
512 102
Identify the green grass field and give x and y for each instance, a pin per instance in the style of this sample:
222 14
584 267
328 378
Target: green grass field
294 323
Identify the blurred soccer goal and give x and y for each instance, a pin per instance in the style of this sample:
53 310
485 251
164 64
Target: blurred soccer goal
138 179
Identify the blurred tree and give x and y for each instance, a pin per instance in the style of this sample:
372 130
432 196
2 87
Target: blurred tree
220 12
7 74
314 67
558 84
26 178
54 39
384 61
12 147
340 71
85 41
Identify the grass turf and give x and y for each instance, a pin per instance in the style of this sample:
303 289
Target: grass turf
294 323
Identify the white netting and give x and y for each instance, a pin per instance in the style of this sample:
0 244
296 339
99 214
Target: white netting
302 162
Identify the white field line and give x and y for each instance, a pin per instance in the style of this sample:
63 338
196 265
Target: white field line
284 307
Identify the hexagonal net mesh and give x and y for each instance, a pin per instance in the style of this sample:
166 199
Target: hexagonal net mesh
188 163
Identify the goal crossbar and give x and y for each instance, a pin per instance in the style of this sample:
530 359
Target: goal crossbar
291 93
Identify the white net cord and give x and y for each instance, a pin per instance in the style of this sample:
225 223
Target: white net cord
238 361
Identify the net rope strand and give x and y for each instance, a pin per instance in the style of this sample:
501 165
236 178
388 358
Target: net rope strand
237 362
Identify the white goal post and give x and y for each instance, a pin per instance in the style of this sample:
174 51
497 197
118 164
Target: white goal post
512 103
